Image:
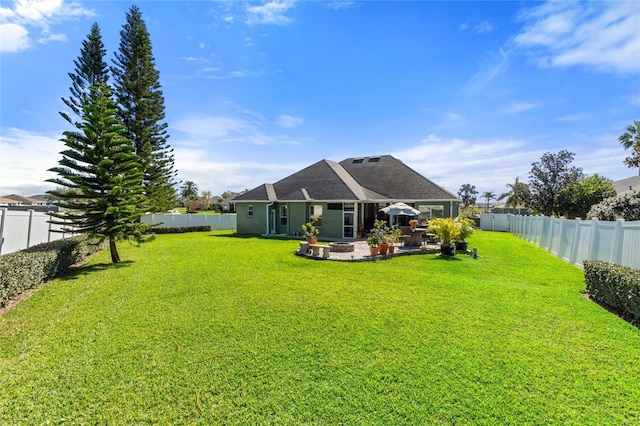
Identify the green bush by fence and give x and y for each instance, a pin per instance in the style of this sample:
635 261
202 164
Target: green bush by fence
27 268
180 229
614 285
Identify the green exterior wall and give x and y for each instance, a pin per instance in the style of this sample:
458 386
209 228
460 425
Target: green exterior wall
256 224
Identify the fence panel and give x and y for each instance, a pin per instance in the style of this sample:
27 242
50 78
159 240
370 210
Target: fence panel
578 240
217 222
23 229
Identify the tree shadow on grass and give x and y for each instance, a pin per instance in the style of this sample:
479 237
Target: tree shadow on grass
77 271
445 258
259 237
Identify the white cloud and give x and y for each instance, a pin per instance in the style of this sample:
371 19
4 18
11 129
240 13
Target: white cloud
489 70
43 14
464 26
491 164
483 27
14 38
271 12
289 121
227 129
338 5
600 35
26 157
516 107
218 176
453 116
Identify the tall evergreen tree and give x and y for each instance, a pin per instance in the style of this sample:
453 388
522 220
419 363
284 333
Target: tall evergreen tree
102 174
90 69
141 110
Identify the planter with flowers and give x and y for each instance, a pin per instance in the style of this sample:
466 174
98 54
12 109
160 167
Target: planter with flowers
310 231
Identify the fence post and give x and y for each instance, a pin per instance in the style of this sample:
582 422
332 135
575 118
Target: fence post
29 229
576 242
4 216
618 237
560 235
592 240
49 232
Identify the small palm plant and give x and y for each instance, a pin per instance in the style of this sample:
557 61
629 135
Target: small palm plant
446 229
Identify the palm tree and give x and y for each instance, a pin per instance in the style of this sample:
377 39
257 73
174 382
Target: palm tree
631 139
518 194
489 195
189 190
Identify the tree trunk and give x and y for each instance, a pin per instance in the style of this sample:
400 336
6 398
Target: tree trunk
115 257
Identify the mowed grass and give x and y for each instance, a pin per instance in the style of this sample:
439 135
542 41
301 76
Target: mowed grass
212 328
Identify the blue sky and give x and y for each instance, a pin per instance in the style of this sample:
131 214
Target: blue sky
463 92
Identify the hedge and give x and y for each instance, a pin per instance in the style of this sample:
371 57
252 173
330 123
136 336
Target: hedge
27 268
614 285
180 229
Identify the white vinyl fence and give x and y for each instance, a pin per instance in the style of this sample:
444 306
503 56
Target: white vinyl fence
22 229
576 240
217 222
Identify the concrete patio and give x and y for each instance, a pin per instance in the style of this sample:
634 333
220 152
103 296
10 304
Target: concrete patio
361 252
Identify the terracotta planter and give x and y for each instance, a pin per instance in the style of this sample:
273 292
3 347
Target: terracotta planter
384 247
392 249
312 240
374 250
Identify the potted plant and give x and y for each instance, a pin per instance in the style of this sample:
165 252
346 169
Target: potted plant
381 230
393 237
310 231
466 229
446 229
373 241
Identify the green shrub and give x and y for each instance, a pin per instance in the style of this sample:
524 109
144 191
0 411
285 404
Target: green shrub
181 229
27 268
614 285
623 206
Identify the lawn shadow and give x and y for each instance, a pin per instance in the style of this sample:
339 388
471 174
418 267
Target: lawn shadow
616 311
445 258
259 237
76 271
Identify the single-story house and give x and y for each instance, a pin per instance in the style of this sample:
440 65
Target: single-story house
342 196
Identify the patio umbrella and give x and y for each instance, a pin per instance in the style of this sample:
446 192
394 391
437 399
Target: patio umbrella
400 209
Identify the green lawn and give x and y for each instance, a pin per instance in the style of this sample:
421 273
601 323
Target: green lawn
211 328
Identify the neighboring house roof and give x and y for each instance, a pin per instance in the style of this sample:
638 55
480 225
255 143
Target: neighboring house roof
357 179
19 199
4 201
628 184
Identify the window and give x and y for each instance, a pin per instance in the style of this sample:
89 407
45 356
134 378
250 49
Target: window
334 206
374 159
250 211
283 215
358 161
316 211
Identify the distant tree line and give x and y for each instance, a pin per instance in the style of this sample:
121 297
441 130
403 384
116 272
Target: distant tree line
556 188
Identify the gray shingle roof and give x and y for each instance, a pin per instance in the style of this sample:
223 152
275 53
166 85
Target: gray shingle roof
358 179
